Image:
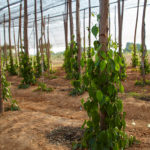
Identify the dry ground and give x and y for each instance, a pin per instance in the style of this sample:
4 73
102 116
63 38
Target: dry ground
43 113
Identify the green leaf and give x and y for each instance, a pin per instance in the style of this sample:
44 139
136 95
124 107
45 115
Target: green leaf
99 95
82 101
121 87
103 54
117 67
98 17
103 64
95 30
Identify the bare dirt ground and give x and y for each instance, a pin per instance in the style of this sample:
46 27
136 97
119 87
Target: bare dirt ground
44 115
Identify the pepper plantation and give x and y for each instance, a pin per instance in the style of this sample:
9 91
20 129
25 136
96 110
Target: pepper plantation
75 74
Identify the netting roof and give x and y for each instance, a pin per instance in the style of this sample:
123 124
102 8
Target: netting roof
55 9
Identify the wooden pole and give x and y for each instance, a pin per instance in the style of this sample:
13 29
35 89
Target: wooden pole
9 30
66 24
15 43
42 54
89 37
115 25
26 27
36 28
120 24
1 99
5 44
20 24
143 42
103 39
71 23
84 33
78 34
137 16
48 54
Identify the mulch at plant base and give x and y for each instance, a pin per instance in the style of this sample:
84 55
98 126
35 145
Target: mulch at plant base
65 135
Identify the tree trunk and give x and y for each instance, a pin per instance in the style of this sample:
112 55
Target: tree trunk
115 26
15 43
5 44
1 100
89 37
84 34
26 27
109 22
137 16
143 42
103 39
36 27
42 54
46 43
10 50
120 24
71 22
78 34
20 31
66 24
48 54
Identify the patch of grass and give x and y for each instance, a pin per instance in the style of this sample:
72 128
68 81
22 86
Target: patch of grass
141 96
134 94
23 86
141 83
50 76
135 69
14 105
76 92
43 87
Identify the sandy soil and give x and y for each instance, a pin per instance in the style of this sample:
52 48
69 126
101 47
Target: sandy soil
41 113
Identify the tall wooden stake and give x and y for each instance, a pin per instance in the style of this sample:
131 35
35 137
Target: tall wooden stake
36 28
137 16
1 100
42 54
103 39
5 44
15 43
48 54
71 22
78 34
89 37
26 27
115 25
84 33
120 24
143 42
9 30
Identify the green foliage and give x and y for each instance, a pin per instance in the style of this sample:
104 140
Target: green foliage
6 94
141 83
23 86
38 69
50 76
14 105
26 71
102 77
67 62
146 63
135 60
123 74
43 87
146 66
95 30
11 67
79 88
